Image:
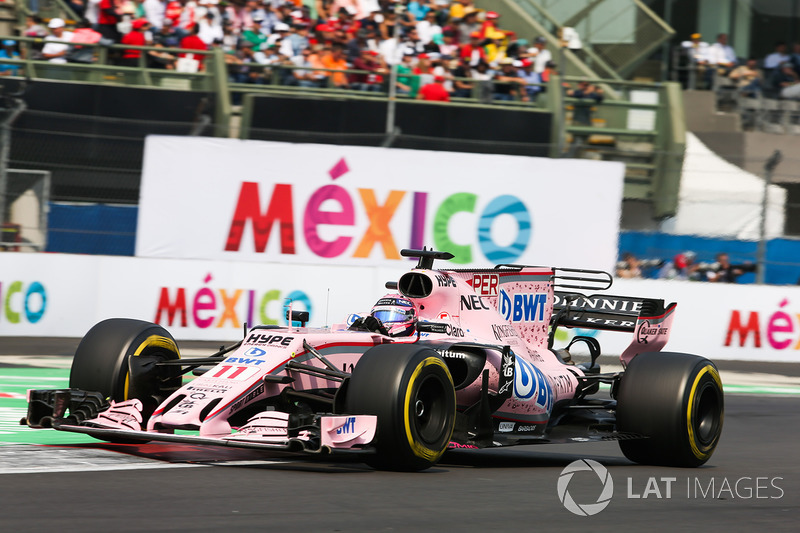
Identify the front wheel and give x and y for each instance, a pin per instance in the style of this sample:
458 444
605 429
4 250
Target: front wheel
411 391
676 400
118 358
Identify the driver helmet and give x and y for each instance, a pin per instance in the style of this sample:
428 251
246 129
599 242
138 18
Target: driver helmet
396 313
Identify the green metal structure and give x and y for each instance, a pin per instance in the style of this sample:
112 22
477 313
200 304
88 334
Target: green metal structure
610 48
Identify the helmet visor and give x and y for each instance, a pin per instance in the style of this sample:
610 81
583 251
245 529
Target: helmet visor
388 315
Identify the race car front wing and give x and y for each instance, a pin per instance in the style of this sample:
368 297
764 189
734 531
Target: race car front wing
85 412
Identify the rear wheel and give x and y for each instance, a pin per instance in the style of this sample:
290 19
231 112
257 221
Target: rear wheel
411 391
677 401
118 357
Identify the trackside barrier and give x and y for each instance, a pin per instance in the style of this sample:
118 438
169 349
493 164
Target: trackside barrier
64 295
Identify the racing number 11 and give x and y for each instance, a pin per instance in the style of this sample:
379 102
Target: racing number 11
236 372
225 369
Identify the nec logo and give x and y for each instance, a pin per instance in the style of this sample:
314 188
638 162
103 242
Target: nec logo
523 307
472 302
485 284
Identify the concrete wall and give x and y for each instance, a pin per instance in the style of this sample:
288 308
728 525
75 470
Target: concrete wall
749 150
8 18
758 146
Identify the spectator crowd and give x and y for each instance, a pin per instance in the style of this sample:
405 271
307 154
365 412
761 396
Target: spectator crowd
442 48
777 75
683 266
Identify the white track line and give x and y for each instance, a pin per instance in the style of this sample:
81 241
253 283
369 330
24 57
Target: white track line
27 459
88 467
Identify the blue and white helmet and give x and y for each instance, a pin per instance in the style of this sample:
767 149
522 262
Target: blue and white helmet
396 313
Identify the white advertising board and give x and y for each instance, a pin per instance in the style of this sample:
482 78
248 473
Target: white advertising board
719 320
64 295
46 295
235 200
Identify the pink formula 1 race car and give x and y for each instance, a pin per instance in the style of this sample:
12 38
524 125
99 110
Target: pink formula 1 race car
450 359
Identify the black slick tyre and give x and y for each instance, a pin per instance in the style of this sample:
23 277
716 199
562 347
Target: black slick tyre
677 401
411 391
118 357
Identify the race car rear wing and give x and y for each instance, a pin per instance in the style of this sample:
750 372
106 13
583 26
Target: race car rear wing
648 319
602 311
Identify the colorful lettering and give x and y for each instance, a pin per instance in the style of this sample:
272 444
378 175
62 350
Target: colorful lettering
229 311
248 207
32 302
779 322
315 217
418 221
13 289
379 217
461 202
269 296
204 300
179 305
735 326
378 231
223 307
504 205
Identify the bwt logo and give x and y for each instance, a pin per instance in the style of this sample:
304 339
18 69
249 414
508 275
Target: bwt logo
530 384
523 307
348 427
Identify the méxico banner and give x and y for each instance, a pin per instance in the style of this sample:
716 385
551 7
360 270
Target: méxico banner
60 295
257 201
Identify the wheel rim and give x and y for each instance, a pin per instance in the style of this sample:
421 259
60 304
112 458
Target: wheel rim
430 410
707 414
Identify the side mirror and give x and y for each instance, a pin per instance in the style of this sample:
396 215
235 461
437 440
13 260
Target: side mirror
298 316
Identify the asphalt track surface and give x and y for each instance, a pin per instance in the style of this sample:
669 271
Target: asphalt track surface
751 483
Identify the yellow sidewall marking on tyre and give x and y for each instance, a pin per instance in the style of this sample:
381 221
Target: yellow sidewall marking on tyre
418 449
705 452
158 341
